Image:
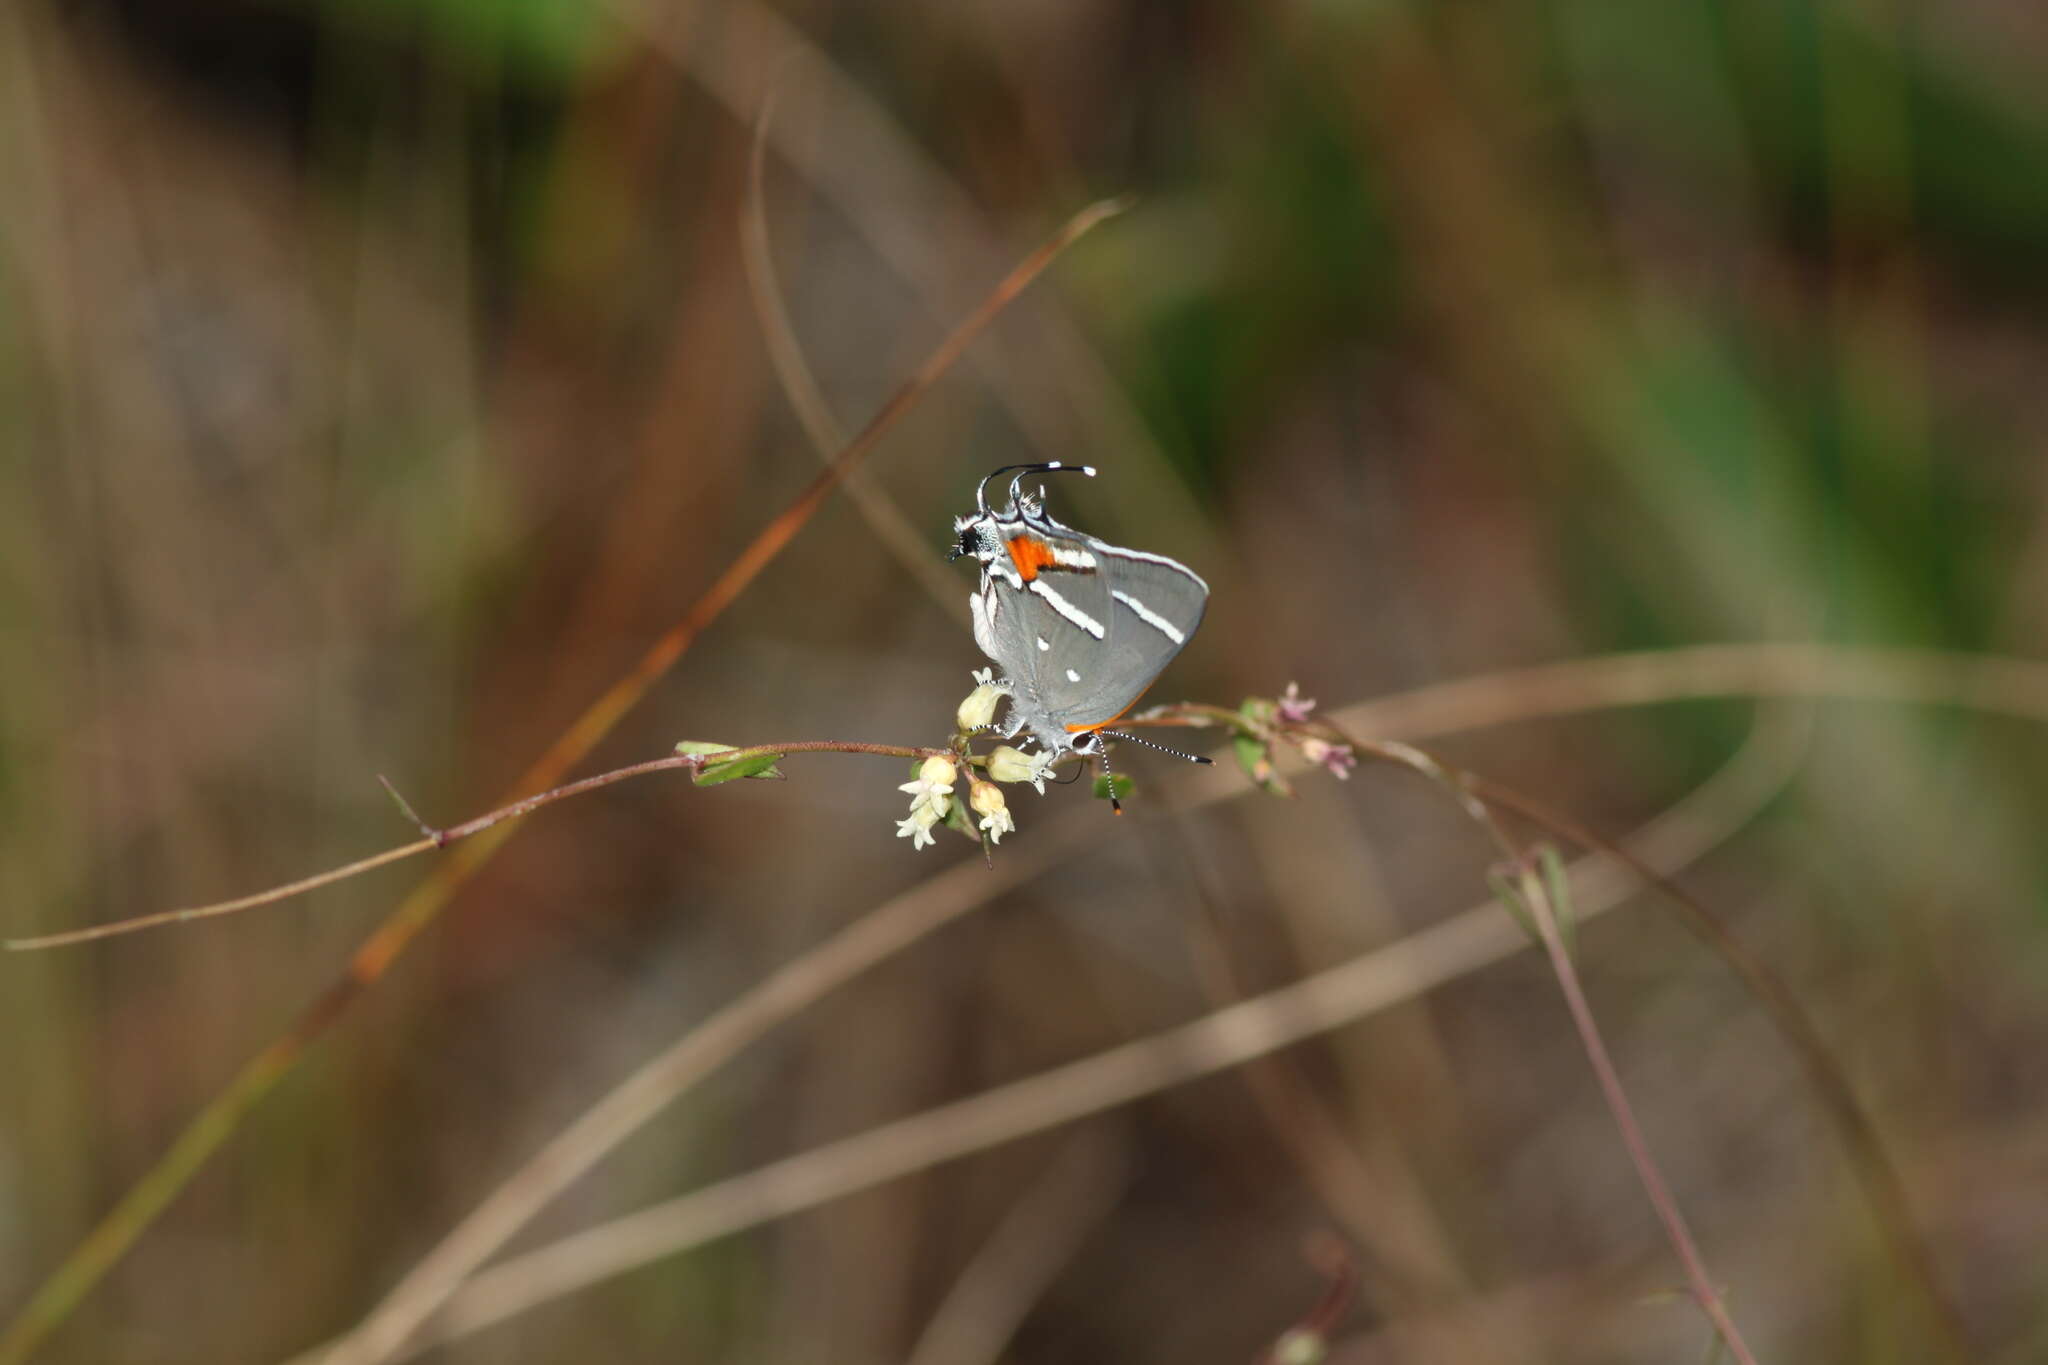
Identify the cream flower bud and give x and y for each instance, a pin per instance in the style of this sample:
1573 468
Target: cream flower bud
987 800
979 709
933 786
1006 764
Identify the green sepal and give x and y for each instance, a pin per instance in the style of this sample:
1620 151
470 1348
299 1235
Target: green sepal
1511 897
760 766
1116 782
960 818
1557 884
1552 882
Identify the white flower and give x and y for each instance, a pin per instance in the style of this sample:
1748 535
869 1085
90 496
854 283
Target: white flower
987 799
1014 765
932 788
931 796
918 828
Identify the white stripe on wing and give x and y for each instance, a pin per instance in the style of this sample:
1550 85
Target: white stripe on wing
1074 616
1150 617
1174 564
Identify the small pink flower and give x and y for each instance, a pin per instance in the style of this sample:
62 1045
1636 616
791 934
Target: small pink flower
1338 758
1293 708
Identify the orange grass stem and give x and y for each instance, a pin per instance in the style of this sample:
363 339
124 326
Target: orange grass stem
89 1262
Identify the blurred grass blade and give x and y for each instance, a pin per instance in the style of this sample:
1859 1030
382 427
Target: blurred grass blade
89 1262
1557 885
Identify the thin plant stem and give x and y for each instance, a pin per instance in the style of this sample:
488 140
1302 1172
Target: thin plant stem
1537 897
1988 683
1326 1001
1872 1163
1992 685
441 838
1654 1186
115 928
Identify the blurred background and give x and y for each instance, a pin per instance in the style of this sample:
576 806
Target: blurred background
379 380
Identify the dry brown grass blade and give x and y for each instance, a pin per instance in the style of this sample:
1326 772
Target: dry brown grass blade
1224 1039
1214 1043
115 1233
894 530
904 204
598 721
1993 684
1022 1257
782 995
1979 682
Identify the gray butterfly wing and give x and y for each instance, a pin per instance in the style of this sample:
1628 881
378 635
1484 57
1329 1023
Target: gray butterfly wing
1110 632
1155 606
1045 636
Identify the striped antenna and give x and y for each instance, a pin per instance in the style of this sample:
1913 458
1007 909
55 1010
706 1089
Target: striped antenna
1024 471
1139 739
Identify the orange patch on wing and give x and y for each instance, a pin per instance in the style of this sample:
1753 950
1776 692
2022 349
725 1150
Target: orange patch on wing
1030 554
